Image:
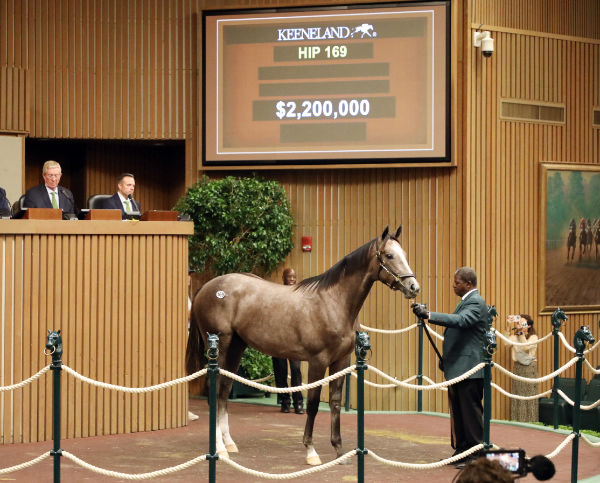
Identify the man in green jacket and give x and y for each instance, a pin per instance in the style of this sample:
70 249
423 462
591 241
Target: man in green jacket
462 350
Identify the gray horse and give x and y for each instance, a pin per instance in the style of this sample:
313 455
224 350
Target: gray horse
312 321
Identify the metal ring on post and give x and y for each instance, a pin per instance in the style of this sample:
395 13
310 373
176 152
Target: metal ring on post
49 353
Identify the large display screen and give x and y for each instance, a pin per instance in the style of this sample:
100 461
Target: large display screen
353 84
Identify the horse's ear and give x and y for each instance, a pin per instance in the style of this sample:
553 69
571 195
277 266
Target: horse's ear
385 233
58 331
398 232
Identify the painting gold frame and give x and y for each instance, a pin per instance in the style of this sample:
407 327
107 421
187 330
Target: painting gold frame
569 277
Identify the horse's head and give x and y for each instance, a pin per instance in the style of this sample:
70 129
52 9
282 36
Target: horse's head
581 336
558 316
394 270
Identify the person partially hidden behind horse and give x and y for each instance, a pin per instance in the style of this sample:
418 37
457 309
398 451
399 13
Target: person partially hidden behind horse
280 367
464 337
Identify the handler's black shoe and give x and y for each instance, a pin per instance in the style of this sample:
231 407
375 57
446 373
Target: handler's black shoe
285 408
299 408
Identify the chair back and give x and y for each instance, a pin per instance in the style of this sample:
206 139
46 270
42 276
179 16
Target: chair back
567 385
18 207
96 202
592 394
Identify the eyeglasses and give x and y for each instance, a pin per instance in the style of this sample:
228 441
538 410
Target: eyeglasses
53 175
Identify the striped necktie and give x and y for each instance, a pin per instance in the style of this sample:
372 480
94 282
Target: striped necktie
127 206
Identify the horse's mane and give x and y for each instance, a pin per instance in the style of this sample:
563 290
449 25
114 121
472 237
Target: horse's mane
345 266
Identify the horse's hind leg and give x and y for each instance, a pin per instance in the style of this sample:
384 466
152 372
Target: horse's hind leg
312 407
335 405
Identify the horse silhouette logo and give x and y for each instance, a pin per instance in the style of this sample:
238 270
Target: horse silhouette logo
364 29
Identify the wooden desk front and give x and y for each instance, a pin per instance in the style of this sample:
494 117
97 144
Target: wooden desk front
118 292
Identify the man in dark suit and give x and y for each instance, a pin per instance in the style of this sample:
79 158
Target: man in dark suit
4 204
463 346
50 194
123 198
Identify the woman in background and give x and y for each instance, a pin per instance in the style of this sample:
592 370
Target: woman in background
525 365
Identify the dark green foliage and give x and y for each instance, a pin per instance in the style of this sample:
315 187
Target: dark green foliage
256 365
240 225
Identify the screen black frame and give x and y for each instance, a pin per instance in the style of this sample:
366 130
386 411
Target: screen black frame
328 163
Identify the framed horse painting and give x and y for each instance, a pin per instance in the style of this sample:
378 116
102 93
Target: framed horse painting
570 241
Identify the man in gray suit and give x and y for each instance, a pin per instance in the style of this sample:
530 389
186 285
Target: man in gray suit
462 350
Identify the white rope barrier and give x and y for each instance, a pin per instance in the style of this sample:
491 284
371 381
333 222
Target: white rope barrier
505 339
281 390
12 387
352 370
426 466
433 332
438 385
522 398
590 443
289 476
552 375
388 331
561 446
115 387
266 378
561 336
131 476
22 466
591 368
572 403
389 386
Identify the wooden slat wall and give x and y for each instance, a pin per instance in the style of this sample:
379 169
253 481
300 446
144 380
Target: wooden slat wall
15 102
158 176
502 166
131 70
120 302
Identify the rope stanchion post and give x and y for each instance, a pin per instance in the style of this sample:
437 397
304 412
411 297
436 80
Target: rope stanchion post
557 317
54 347
212 355
582 336
361 346
420 369
347 396
488 353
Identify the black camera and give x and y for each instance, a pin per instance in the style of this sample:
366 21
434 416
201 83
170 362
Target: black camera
514 460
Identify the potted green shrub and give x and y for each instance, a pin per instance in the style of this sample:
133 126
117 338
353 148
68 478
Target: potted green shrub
240 225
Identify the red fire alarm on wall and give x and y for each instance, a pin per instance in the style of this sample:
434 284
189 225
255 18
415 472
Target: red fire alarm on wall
306 243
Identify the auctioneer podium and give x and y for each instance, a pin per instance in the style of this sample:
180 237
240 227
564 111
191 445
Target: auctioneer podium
118 292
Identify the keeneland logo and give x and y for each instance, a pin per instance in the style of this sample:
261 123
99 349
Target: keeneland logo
326 33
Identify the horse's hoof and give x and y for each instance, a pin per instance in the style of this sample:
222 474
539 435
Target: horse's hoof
347 461
223 454
232 448
313 460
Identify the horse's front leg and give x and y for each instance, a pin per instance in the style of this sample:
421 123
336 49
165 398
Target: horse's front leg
335 405
312 407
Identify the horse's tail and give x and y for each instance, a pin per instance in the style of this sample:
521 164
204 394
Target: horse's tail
195 359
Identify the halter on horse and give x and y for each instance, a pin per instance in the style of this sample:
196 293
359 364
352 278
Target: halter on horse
313 321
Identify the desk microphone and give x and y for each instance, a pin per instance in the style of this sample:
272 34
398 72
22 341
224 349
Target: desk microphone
67 194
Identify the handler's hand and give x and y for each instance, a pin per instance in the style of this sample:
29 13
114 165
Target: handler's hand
420 311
